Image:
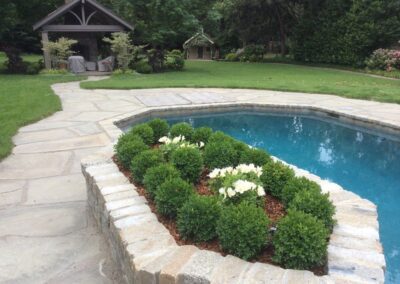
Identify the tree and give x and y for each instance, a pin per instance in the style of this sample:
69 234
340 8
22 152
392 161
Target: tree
345 32
16 34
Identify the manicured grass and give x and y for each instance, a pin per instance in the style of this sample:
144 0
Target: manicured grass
26 57
282 77
23 100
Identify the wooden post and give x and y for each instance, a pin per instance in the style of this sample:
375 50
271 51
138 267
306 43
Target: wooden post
46 54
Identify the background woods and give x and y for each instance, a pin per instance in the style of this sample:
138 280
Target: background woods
321 31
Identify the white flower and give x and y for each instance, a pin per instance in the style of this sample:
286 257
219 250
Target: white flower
241 186
201 144
231 192
164 140
260 191
215 173
222 192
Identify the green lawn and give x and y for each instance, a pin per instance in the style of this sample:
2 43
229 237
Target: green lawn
282 77
23 100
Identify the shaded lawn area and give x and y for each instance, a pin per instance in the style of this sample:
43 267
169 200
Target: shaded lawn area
25 99
281 77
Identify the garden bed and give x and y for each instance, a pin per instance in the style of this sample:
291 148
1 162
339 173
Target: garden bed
206 192
274 209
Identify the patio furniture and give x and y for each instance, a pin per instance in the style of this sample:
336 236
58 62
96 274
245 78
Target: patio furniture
76 64
91 66
106 65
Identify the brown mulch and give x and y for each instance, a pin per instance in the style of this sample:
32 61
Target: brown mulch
273 208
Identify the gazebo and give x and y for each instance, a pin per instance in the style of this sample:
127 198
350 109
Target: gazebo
84 21
201 46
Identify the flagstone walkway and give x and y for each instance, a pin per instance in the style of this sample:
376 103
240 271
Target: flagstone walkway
46 235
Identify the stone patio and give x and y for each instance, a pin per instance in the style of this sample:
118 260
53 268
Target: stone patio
46 234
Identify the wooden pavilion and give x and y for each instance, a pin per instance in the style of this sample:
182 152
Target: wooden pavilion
84 21
201 47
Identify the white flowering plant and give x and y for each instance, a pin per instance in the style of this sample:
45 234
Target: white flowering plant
169 145
238 184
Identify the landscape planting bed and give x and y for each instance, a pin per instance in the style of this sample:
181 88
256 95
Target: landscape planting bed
148 253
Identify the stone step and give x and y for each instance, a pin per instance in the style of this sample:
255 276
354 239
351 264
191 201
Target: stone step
117 188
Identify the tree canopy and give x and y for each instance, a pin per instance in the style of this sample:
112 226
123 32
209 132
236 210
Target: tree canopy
328 31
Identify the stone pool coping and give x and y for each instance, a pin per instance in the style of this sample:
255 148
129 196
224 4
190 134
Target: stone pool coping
148 254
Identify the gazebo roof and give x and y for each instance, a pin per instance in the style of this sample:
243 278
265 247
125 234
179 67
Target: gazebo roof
83 26
199 39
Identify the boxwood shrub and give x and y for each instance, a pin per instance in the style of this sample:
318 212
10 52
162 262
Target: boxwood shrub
202 134
315 203
127 147
197 219
275 176
219 155
300 241
144 131
295 185
155 176
254 156
143 161
219 136
171 195
243 230
182 128
189 162
160 128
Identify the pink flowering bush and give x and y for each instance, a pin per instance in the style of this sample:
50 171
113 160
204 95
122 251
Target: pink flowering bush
384 59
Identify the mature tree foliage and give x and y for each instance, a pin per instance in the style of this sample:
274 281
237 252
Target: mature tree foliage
16 34
345 32
259 21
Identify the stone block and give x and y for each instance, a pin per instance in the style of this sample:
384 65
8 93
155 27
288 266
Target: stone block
129 211
231 270
136 200
199 268
117 188
169 272
264 273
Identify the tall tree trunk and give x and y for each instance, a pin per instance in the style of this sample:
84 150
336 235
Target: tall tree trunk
282 32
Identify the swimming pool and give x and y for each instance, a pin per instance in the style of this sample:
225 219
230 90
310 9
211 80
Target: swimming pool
365 163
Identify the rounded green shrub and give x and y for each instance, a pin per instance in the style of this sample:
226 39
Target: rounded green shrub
182 128
231 57
144 131
243 230
127 147
275 176
160 128
189 162
315 203
197 219
295 185
143 67
219 136
219 155
202 134
171 195
254 156
155 176
144 161
300 241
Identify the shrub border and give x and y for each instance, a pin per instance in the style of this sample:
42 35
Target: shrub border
146 252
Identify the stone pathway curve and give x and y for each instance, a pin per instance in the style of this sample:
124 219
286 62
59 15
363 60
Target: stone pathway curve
46 235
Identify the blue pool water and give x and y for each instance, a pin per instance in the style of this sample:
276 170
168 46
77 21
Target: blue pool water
366 164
